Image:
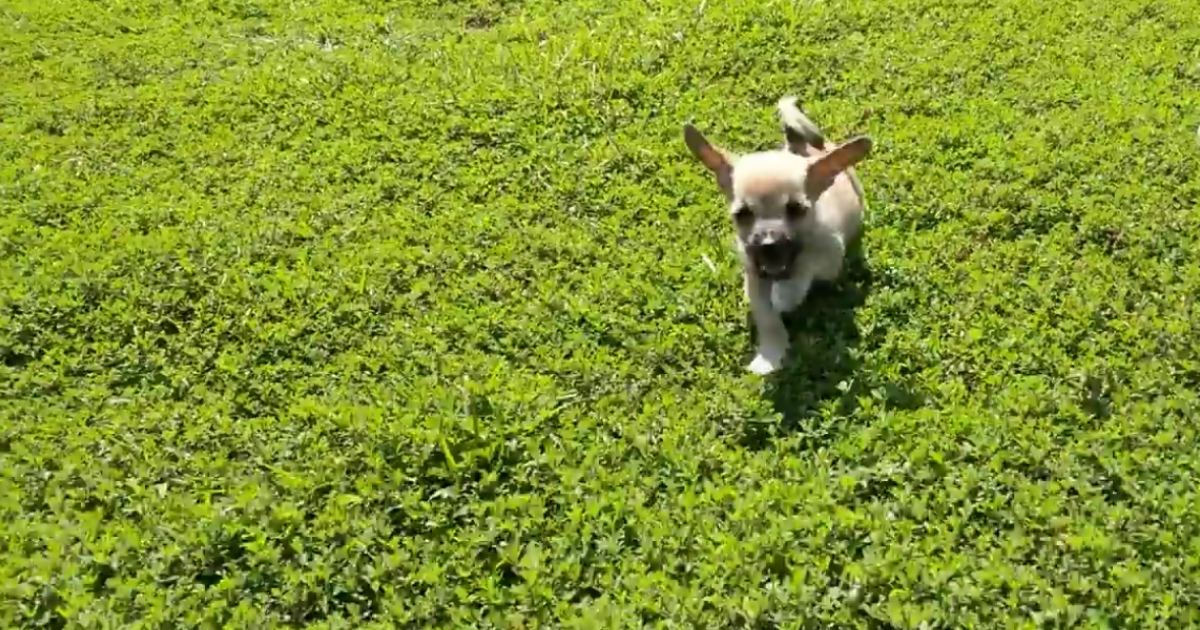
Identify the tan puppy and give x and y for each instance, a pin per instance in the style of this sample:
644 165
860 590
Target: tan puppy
794 209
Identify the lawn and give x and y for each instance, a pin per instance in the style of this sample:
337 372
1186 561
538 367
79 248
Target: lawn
420 315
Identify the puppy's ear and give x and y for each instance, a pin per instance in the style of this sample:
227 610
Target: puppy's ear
822 172
713 158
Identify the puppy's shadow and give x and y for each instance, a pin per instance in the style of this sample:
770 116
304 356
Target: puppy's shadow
821 383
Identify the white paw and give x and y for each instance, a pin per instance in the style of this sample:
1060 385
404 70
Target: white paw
764 364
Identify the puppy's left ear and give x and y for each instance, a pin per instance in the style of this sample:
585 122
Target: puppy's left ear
823 171
713 158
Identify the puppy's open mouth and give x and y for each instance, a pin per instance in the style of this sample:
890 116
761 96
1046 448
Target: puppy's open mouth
776 262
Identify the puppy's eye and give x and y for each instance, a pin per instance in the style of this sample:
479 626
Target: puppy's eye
743 214
795 209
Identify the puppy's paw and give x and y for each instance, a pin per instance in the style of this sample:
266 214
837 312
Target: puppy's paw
765 363
784 298
787 296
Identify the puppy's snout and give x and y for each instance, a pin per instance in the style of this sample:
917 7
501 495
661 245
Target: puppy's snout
773 252
768 238
772 245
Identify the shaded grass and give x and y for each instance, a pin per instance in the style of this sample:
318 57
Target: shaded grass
327 313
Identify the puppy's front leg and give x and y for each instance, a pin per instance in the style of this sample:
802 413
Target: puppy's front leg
789 294
772 335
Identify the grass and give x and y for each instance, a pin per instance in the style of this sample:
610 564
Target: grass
367 314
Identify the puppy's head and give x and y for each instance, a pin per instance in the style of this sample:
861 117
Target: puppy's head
771 195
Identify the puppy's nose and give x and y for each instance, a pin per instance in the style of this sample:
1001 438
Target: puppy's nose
767 238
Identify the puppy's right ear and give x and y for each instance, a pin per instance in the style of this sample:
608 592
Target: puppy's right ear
713 158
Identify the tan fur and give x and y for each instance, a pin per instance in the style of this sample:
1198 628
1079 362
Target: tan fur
808 173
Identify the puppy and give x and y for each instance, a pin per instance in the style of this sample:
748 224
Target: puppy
794 211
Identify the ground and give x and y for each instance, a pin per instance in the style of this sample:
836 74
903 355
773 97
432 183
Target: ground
419 314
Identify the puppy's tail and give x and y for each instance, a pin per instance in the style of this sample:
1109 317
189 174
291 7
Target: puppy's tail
801 132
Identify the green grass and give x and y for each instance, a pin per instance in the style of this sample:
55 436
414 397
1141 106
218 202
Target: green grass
349 313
